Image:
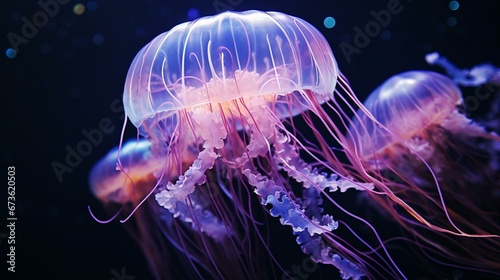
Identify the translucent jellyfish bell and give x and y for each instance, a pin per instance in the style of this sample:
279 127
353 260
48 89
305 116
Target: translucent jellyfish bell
418 140
476 76
111 181
123 178
406 104
225 57
485 78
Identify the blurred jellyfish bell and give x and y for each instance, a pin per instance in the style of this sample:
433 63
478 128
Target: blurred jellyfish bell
437 160
124 177
485 80
410 105
116 182
476 76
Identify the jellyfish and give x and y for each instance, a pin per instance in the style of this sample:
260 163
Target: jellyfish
244 115
476 76
485 81
125 176
223 89
439 162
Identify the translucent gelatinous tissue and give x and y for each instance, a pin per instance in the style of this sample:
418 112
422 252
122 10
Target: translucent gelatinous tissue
244 115
220 58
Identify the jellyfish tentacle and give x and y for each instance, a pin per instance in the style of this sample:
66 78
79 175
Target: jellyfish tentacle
212 132
261 129
478 75
289 160
186 183
315 247
289 212
312 244
200 219
319 252
174 197
307 222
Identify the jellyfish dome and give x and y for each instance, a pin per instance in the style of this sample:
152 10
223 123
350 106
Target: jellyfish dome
416 137
406 105
112 182
213 61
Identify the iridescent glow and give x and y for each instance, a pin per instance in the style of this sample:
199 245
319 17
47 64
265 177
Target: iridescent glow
454 5
451 21
78 9
427 147
329 22
10 53
98 39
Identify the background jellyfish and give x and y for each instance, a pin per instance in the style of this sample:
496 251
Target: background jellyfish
476 76
220 100
484 79
125 176
439 162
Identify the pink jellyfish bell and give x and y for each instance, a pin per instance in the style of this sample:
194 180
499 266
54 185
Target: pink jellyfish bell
438 161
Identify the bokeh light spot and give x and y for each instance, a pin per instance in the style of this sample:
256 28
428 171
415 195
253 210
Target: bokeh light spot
454 5
386 35
91 6
329 22
451 21
79 9
193 14
97 39
10 53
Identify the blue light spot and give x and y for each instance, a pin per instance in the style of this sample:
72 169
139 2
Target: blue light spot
10 53
140 32
91 6
329 22
386 35
451 21
193 14
97 39
454 5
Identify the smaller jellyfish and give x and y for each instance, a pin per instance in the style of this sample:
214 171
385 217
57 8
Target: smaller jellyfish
124 177
111 182
484 100
476 76
439 162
